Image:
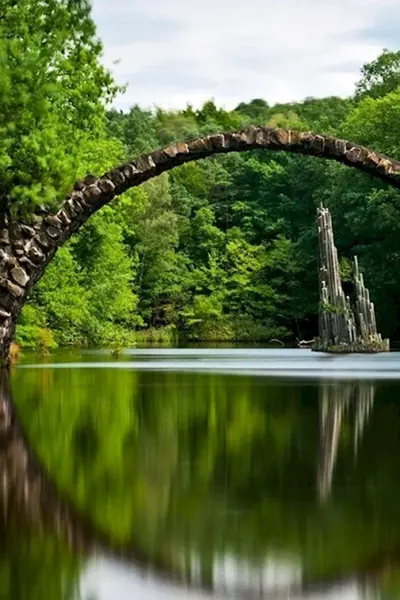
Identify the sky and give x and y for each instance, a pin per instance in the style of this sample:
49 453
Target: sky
174 52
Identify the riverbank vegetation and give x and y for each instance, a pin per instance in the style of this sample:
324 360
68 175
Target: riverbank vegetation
223 249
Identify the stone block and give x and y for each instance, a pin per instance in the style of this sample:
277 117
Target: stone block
19 276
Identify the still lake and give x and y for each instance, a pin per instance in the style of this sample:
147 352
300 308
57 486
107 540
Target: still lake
207 473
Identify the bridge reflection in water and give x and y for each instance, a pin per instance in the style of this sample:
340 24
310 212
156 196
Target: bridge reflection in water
28 494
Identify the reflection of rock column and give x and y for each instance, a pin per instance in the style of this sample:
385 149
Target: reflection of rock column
336 400
363 406
333 402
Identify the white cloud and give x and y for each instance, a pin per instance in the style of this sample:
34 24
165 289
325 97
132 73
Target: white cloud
181 51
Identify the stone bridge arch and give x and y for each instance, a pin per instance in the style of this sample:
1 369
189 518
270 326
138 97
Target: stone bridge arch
27 248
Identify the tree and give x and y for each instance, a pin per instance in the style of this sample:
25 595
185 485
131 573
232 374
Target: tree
52 96
137 129
172 126
63 299
108 274
257 110
374 122
379 77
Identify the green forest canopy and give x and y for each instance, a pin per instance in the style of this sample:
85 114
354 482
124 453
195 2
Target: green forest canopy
223 249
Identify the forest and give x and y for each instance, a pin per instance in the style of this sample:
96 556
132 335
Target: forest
221 250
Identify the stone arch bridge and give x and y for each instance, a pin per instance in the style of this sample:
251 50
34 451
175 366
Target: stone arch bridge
26 248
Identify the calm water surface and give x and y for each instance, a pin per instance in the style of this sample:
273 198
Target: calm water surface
195 473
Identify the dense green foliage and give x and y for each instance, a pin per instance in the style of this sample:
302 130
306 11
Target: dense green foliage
223 249
52 94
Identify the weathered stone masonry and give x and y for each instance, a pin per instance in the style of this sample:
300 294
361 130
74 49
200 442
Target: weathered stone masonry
26 248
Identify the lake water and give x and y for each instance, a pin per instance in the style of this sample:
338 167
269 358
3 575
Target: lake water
196 473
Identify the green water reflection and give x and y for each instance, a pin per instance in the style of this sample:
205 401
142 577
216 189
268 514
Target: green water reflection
36 566
194 467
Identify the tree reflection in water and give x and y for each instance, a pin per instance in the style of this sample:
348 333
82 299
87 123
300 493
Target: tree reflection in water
206 478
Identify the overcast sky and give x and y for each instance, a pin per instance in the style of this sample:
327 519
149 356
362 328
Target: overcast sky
174 52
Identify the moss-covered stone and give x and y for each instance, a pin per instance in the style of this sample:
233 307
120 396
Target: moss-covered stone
359 347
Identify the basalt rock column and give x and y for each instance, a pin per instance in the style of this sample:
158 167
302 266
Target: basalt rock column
344 326
336 320
364 308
